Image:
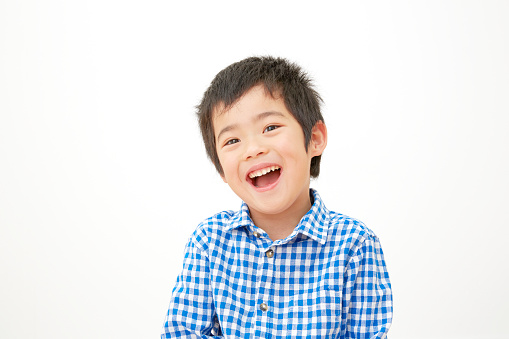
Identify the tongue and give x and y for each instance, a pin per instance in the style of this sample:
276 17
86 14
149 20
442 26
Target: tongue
267 179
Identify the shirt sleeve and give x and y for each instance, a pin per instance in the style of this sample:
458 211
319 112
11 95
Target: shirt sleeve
191 313
367 294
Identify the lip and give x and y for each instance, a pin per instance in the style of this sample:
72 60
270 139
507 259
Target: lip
259 167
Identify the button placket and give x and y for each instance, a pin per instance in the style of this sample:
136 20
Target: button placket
264 313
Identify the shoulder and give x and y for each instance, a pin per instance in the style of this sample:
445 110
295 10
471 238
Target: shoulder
216 222
348 232
339 227
212 229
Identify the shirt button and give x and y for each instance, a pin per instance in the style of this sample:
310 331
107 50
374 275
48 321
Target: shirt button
256 234
264 307
269 253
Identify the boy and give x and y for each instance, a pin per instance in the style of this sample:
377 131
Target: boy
283 265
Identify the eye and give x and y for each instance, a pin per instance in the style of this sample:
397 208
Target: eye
231 142
270 128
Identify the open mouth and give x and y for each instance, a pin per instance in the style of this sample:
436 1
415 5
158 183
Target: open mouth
265 177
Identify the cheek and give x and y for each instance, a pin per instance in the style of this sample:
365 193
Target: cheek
293 150
228 166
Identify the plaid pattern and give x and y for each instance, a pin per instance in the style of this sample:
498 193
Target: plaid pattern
326 280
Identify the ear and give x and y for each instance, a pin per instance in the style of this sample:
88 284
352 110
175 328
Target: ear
318 139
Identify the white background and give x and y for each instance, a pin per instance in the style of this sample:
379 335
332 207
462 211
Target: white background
103 175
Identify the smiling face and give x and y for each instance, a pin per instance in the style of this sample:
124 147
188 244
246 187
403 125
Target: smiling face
262 152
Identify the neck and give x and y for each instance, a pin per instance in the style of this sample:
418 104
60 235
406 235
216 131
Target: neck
281 225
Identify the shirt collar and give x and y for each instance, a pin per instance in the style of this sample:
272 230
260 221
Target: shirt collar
240 218
314 224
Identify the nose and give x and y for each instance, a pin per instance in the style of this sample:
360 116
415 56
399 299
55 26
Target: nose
254 149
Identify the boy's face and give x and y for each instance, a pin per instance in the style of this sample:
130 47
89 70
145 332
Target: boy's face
262 152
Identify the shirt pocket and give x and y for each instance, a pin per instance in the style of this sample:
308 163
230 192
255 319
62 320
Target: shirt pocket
323 301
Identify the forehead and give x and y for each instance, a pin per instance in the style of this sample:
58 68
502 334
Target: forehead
255 101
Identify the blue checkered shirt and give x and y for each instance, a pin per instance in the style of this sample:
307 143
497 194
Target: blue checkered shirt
327 279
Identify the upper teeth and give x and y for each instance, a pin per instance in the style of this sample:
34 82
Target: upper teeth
262 171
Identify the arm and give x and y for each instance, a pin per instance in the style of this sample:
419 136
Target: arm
191 313
367 303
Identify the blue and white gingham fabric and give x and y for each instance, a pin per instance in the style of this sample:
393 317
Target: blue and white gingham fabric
328 279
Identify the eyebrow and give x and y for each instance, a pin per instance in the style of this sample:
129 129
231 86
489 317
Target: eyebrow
258 117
